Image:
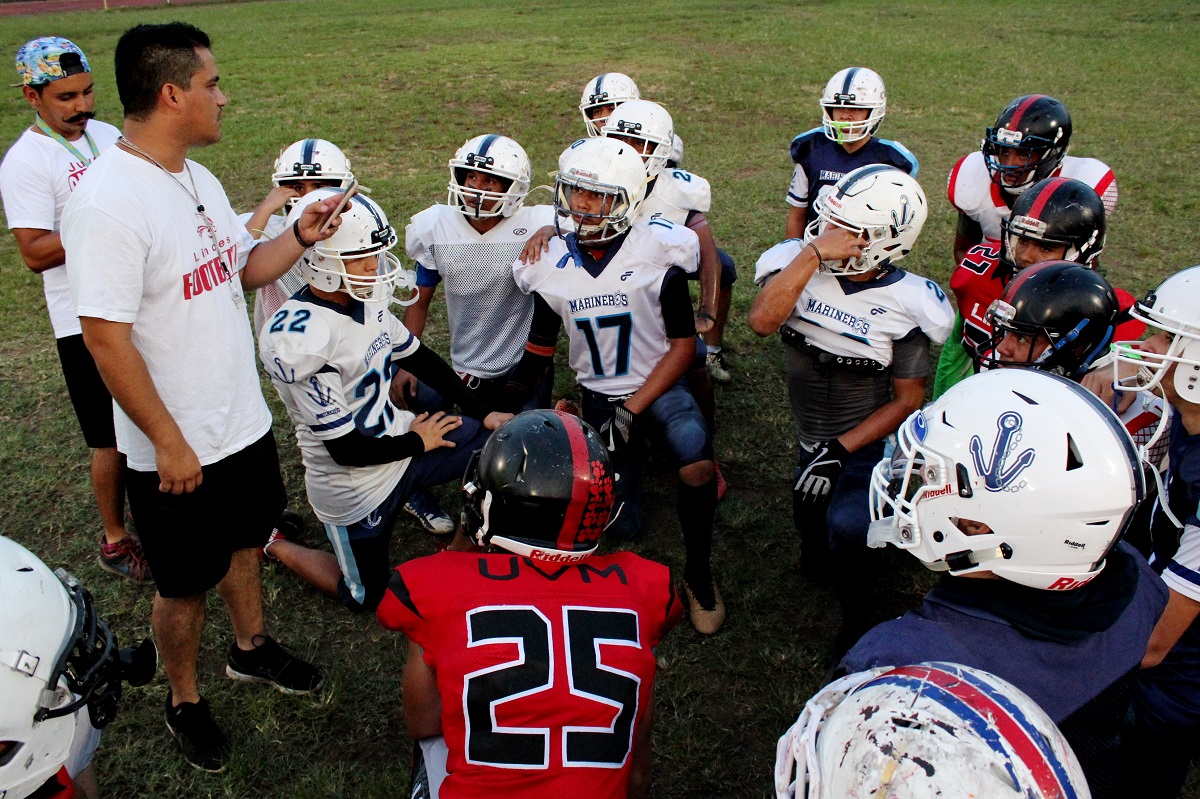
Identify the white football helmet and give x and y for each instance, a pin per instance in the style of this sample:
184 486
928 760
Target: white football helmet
495 155
609 168
934 729
312 159
882 204
1036 458
650 125
611 89
1173 307
364 232
56 655
676 157
854 87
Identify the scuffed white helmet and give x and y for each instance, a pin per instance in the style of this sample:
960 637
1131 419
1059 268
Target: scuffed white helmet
609 168
650 128
56 656
854 87
933 729
676 151
1015 472
495 155
312 159
607 89
364 232
883 205
1173 307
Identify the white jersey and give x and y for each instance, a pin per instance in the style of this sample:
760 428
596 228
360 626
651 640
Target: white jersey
140 253
861 320
973 192
270 297
489 317
614 319
332 367
676 194
36 180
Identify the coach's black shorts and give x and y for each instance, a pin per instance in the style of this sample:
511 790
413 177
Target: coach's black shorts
92 402
189 538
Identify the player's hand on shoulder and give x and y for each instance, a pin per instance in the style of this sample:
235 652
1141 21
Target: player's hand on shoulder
495 419
434 428
537 244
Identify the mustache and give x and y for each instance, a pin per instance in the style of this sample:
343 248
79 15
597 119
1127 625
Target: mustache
86 115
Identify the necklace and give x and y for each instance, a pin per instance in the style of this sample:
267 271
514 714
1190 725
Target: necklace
53 134
194 194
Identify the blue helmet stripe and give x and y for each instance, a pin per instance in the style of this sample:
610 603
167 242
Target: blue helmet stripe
866 172
849 80
599 84
306 153
488 141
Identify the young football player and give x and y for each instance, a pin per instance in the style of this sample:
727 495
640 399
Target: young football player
571 716
1055 219
858 332
38 175
916 732
332 351
470 244
1167 700
601 95
1019 484
1028 143
852 107
621 290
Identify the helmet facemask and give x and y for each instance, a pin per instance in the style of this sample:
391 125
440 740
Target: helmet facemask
882 241
592 228
848 132
1063 356
1033 158
645 126
493 155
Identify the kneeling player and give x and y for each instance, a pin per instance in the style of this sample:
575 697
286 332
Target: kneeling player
621 288
331 351
571 716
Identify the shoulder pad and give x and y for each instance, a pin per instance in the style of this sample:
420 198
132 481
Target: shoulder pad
775 259
417 232
297 338
802 145
686 190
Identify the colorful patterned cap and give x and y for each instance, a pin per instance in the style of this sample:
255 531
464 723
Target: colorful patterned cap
49 58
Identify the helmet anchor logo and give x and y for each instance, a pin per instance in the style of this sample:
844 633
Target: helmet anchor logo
902 220
997 476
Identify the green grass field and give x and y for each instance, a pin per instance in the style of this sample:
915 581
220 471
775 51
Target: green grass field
399 85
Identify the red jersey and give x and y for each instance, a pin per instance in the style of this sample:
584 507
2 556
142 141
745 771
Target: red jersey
545 671
976 285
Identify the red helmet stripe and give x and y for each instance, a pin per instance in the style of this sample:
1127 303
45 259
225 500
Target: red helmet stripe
1022 275
1048 190
582 467
1015 122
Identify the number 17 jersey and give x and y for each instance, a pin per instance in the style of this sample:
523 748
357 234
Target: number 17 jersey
545 670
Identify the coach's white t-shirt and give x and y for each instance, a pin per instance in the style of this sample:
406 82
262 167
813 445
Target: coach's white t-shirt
138 252
36 179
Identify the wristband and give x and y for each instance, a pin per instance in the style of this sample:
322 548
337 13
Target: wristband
706 315
299 238
810 244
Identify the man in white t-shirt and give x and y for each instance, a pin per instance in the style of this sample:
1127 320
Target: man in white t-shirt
37 176
157 262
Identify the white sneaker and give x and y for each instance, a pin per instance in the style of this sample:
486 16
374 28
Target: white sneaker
429 514
717 369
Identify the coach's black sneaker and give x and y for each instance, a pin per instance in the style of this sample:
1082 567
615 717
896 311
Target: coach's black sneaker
200 739
271 664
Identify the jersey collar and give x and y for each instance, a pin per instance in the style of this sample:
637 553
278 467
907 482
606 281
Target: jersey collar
356 310
584 258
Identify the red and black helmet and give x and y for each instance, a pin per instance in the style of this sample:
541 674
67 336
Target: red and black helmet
1027 143
541 487
1073 307
1055 211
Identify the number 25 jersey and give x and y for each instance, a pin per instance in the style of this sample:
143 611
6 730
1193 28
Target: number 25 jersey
545 671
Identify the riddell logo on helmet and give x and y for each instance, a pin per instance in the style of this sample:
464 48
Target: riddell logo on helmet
546 556
1069 583
583 173
939 492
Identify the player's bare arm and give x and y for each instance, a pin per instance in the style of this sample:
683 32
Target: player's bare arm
797 219
272 204
268 261
129 382
422 702
1176 619
908 395
966 235
537 244
710 274
778 297
418 313
40 249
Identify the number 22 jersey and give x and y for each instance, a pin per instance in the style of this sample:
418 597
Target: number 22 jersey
545 670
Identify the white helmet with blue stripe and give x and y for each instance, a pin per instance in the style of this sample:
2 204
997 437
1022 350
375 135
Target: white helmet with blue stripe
933 729
312 159
364 233
605 91
494 155
649 125
853 87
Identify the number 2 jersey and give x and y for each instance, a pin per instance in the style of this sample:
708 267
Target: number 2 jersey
332 367
612 307
545 671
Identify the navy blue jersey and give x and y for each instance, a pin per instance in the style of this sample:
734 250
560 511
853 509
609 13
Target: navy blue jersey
821 162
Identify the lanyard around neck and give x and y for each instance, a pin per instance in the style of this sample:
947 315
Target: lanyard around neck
52 133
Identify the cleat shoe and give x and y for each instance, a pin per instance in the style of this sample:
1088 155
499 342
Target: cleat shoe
718 370
292 525
429 514
274 538
722 486
270 664
200 739
125 558
708 612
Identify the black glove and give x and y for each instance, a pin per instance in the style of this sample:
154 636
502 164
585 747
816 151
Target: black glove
616 432
818 470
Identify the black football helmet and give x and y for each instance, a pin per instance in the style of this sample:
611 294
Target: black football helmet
541 487
1072 306
1036 129
1055 211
